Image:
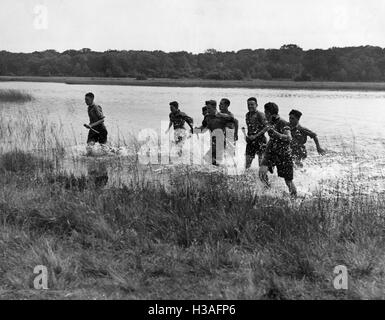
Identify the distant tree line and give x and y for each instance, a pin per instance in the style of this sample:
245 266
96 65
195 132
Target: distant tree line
365 63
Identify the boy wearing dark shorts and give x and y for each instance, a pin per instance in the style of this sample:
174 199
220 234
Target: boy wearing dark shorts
300 135
255 138
178 120
278 150
98 132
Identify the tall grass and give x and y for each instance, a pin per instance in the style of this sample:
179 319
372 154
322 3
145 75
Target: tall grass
192 241
13 95
198 237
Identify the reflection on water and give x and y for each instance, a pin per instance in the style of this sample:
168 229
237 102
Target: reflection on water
97 173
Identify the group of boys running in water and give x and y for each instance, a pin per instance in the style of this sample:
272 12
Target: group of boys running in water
285 147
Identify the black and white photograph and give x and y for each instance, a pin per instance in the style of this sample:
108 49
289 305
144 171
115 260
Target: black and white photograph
192 150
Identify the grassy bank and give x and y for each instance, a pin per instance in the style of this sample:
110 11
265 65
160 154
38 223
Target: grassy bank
252 84
188 241
200 236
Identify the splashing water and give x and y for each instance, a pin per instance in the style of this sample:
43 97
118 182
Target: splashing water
43 127
194 156
346 170
98 150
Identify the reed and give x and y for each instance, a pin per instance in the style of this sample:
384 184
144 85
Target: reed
13 95
199 236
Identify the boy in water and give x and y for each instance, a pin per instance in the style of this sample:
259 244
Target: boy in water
256 129
232 122
98 132
204 111
204 123
299 135
178 120
215 120
278 151
232 125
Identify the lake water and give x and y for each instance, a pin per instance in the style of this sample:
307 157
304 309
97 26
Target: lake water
349 124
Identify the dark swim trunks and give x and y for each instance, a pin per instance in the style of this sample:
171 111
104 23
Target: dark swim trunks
256 146
299 152
283 162
100 137
95 114
278 152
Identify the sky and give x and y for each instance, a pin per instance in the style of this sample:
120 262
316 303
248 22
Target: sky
189 25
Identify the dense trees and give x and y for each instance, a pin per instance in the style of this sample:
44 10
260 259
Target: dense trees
289 62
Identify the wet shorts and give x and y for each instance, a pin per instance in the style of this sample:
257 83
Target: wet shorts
299 152
283 162
100 137
256 146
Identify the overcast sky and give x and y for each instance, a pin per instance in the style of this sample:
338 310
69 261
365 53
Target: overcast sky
190 25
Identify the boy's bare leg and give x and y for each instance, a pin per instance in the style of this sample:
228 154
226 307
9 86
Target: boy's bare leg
249 161
260 158
263 176
292 188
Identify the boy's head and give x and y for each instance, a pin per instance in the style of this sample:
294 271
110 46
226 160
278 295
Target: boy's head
89 99
204 111
271 111
294 117
211 107
174 106
224 105
252 104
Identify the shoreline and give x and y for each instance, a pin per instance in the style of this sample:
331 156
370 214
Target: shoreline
204 83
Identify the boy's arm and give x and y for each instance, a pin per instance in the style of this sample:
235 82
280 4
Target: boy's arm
191 127
285 136
236 127
319 149
100 115
96 123
266 127
308 132
203 128
225 116
260 133
190 122
169 127
244 130
200 129
265 123
263 131
313 135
